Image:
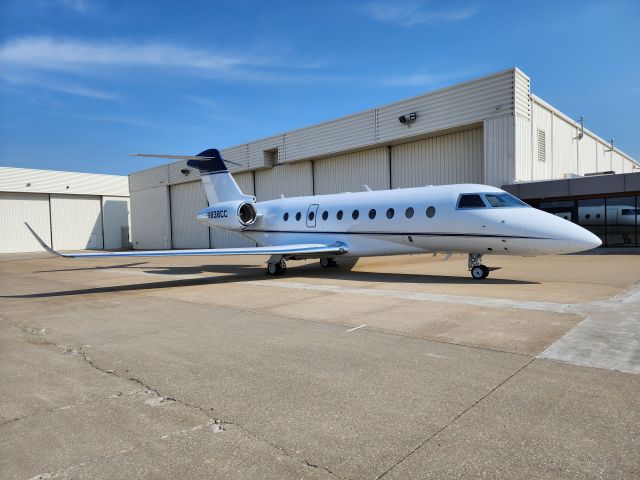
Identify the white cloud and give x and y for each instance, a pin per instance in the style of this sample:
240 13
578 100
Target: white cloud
56 54
407 13
56 86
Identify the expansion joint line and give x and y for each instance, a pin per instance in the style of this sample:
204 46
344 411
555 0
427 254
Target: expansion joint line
455 418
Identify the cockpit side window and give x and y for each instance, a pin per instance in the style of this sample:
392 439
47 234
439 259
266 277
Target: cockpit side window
471 200
504 200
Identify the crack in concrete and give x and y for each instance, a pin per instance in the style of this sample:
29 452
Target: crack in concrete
455 418
217 422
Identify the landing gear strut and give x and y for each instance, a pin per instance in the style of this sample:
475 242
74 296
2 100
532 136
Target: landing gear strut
327 262
478 271
278 267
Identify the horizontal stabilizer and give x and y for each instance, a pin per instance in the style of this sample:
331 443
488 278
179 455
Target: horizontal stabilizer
178 157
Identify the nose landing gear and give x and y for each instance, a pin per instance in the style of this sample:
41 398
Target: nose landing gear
478 271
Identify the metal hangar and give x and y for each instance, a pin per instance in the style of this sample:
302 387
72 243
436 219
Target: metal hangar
489 130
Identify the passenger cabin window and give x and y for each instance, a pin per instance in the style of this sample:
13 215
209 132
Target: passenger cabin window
325 215
390 213
372 213
409 212
431 211
298 216
285 217
355 214
339 215
311 216
503 200
472 200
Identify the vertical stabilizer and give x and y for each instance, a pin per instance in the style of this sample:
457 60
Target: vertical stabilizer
219 185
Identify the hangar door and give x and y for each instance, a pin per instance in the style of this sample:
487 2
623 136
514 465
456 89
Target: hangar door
17 208
187 199
115 217
76 222
349 172
446 159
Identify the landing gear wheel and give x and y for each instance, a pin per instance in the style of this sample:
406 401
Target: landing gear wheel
478 272
327 262
278 268
486 270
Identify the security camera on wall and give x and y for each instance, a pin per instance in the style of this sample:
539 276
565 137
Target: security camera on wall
408 119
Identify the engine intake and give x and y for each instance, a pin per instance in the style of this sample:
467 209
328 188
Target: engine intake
234 215
246 213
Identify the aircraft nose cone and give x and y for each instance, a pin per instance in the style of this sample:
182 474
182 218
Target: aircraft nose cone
581 240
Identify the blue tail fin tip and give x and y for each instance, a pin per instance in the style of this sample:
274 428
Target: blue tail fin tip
211 165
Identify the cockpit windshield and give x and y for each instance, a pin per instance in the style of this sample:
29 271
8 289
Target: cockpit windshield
504 200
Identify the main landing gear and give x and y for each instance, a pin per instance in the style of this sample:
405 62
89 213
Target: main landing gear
478 271
328 262
278 267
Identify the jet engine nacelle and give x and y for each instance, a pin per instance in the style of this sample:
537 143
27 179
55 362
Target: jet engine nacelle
232 215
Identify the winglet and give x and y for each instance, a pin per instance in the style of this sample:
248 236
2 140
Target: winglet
41 242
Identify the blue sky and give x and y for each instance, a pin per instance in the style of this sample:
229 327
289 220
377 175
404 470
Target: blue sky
83 83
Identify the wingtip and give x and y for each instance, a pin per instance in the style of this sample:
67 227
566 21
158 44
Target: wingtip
41 242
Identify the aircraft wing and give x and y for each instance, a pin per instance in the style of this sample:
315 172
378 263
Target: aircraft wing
302 249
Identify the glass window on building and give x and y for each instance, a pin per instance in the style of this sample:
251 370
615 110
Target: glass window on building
591 215
621 220
561 208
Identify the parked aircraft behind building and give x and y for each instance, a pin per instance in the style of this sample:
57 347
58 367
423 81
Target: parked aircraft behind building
468 218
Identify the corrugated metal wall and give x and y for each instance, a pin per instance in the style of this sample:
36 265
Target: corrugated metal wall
542 167
348 173
150 178
76 222
17 208
523 148
565 148
115 217
150 220
499 151
352 131
452 158
291 180
565 153
187 199
28 180
587 153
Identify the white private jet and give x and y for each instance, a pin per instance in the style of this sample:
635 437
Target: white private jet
474 219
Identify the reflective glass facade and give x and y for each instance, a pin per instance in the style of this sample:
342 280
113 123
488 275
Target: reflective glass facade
614 219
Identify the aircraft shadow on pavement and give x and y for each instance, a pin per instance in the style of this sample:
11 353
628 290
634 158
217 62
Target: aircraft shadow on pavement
244 273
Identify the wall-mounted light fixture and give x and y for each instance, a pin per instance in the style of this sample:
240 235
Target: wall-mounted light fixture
581 132
408 119
185 171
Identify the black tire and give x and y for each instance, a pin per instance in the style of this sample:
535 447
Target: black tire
325 262
485 270
272 268
477 273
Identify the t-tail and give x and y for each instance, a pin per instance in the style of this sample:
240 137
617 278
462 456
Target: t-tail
219 185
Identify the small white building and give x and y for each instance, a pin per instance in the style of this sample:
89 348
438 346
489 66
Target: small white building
68 210
491 130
